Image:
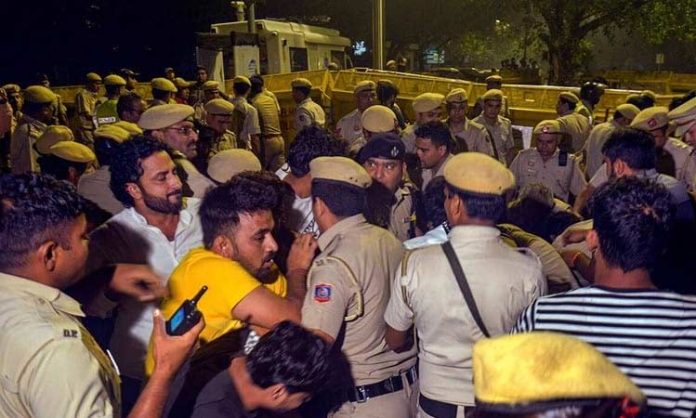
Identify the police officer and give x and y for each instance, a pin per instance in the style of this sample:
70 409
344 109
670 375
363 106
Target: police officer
546 164
210 90
493 82
574 125
384 159
623 116
426 291
248 128
468 135
499 127
215 135
67 160
375 119
348 288
86 101
130 77
51 136
268 109
162 91
183 92
196 95
428 108
106 112
225 164
684 117
37 114
349 128
307 112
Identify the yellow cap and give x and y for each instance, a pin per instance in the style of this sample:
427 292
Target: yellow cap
550 126
545 366
225 164
492 94
161 83
93 77
180 83
378 119
365 85
649 93
301 82
51 136
129 127
219 107
73 151
569 96
39 94
629 111
457 95
478 173
211 85
241 80
340 169
12 88
494 77
427 102
684 116
651 118
113 132
114 80
163 116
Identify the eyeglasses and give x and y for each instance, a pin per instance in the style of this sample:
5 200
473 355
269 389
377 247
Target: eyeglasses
184 130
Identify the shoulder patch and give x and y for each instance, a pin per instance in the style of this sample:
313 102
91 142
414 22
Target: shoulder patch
322 292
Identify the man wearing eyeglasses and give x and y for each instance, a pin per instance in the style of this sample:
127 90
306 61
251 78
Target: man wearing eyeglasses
173 125
383 159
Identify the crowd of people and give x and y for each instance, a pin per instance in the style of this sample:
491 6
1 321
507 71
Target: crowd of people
374 268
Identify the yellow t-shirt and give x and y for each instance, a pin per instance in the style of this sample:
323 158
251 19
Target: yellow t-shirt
228 283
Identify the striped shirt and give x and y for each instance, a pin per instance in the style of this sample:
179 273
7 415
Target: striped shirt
649 334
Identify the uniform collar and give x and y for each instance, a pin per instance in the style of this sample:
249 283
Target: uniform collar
306 100
28 119
473 232
55 297
340 227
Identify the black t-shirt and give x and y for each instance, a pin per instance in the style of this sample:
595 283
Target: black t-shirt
219 398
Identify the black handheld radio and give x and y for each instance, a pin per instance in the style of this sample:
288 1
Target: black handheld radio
187 316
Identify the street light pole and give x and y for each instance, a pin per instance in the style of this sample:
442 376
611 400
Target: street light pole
378 34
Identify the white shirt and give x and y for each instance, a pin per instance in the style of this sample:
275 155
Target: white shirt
301 218
128 238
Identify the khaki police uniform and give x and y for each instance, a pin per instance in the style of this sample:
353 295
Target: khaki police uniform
577 127
408 135
349 128
251 125
51 366
593 146
472 137
348 290
425 292
684 161
269 117
308 113
430 173
502 141
23 155
85 107
402 222
529 167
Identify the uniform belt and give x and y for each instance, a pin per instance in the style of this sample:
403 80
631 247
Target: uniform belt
440 409
393 384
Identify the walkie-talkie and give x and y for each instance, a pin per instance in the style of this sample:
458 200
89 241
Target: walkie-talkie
187 316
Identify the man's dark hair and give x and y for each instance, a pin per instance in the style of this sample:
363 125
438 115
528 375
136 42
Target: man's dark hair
104 148
641 102
240 88
386 89
159 94
32 109
437 132
342 199
311 142
256 84
34 208
633 219
634 147
58 167
618 115
292 356
434 201
126 103
111 90
246 192
126 164
481 206
571 105
304 90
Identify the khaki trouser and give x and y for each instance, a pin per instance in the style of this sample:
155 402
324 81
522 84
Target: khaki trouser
400 404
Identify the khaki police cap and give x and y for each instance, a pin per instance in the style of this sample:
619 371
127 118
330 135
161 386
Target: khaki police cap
225 164
114 80
478 173
211 85
219 107
164 116
73 151
427 102
684 116
301 82
649 93
651 118
51 136
39 94
93 77
161 83
365 85
629 111
11 88
340 169
240 79
550 126
457 95
569 97
492 94
494 77
113 132
180 83
129 127
378 119
544 366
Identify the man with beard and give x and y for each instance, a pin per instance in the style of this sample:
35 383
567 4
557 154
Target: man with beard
433 147
157 228
173 125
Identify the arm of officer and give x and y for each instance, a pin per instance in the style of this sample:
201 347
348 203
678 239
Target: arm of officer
398 315
302 119
577 180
